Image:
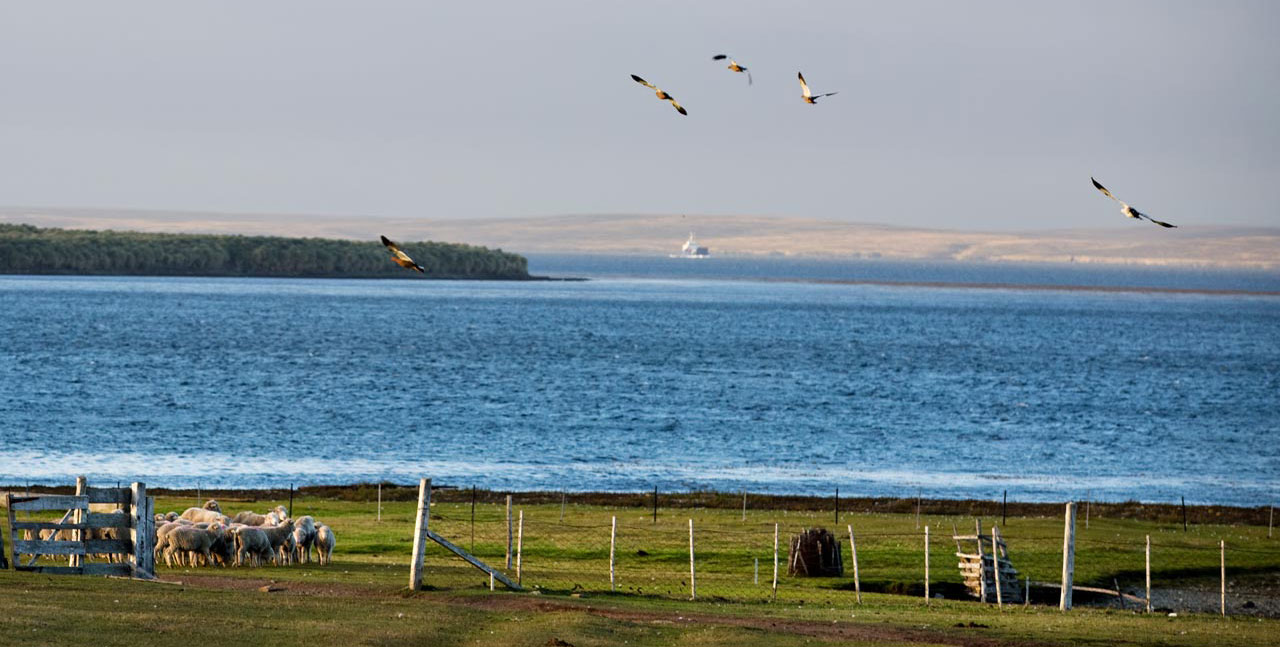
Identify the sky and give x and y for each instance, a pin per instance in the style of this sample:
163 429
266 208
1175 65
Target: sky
957 115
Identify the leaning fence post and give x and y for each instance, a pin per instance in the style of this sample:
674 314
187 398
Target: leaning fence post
926 564
1068 556
775 561
995 565
420 534
1148 573
693 582
853 548
613 538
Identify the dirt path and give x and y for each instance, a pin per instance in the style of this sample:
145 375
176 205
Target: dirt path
836 631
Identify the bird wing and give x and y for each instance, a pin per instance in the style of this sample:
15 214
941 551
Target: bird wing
804 87
387 241
748 78
644 82
1158 222
402 256
680 109
1104 190
719 57
827 94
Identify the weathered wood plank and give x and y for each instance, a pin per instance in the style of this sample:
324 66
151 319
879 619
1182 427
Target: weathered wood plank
49 502
116 496
90 547
107 520
472 560
122 568
47 525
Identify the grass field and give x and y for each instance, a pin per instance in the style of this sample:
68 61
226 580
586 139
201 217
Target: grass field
362 598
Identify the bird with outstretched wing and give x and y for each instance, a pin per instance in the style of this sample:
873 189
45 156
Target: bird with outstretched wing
402 259
661 94
1130 211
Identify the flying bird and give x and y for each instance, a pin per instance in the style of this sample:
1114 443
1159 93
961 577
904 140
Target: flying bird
661 94
807 95
402 259
1130 211
733 65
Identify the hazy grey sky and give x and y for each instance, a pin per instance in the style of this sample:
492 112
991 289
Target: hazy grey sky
950 114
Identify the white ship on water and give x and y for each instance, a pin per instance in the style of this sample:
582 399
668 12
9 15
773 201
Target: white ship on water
691 249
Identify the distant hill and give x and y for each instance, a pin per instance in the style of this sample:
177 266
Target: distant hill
26 249
1124 242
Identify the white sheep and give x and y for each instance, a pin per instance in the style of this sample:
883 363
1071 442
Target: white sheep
304 536
212 504
251 543
250 518
202 515
195 542
325 541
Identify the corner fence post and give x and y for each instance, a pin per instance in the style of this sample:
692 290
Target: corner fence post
613 538
1222 545
1068 556
79 517
420 534
142 528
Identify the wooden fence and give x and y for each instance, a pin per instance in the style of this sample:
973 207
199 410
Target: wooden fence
116 525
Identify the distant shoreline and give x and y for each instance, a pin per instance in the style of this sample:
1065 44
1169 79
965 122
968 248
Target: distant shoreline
1032 286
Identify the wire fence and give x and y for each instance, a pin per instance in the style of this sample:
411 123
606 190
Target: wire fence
725 554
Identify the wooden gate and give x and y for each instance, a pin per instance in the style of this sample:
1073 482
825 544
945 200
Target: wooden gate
114 524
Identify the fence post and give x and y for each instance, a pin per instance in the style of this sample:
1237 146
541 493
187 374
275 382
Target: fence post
1184 514
379 501
508 532
655 505
473 518
613 538
420 534
744 505
853 548
141 527
926 564
755 579
1271 519
775 562
562 501
82 488
917 509
1222 545
290 500
693 582
1068 556
1148 573
995 565
519 546
982 562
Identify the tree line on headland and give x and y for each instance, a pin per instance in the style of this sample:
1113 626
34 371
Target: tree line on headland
26 249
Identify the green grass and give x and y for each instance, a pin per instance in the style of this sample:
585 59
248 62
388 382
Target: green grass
361 599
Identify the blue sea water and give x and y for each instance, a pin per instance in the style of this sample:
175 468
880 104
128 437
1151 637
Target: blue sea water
652 376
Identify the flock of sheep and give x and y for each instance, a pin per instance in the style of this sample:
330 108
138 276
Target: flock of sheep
205 537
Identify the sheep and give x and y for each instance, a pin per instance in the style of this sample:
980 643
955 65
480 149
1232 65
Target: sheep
249 518
277 535
287 549
252 543
212 504
325 541
200 514
192 541
304 536
171 515
224 544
